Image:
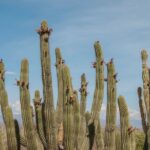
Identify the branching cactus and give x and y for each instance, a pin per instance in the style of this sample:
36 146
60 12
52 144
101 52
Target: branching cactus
111 107
49 112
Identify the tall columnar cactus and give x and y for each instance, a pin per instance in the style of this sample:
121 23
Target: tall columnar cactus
7 114
49 112
127 134
99 85
83 99
144 102
68 101
111 108
59 66
77 120
27 119
99 90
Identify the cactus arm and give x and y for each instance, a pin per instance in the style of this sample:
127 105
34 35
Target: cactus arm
59 65
111 108
26 112
83 99
49 112
83 92
68 119
127 134
2 145
99 86
77 119
8 118
142 110
39 118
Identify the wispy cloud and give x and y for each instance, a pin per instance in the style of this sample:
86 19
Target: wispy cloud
10 73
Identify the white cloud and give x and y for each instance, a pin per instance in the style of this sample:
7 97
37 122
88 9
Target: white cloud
10 73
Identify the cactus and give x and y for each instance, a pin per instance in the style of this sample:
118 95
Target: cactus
7 114
70 127
59 65
98 93
111 108
145 100
49 113
27 119
68 119
39 118
127 134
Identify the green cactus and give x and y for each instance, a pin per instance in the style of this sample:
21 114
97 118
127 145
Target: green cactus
59 65
68 101
29 130
7 117
127 134
111 108
98 93
77 120
144 102
39 117
49 112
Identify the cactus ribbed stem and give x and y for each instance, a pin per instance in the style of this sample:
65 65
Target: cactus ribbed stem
83 91
39 118
83 95
59 65
111 108
49 112
27 119
77 120
8 118
125 128
99 86
68 119
2 144
142 110
98 93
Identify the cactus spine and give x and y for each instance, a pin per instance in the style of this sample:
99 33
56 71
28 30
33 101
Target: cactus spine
111 108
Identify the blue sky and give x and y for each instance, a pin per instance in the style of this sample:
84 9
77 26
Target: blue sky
122 27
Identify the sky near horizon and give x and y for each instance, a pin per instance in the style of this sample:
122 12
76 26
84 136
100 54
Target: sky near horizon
122 27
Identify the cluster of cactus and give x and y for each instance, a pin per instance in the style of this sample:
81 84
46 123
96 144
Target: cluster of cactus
70 126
